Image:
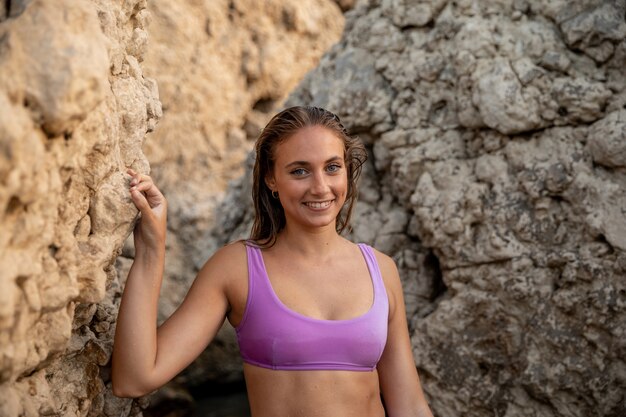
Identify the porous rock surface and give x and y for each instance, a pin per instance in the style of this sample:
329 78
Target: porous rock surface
74 111
496 132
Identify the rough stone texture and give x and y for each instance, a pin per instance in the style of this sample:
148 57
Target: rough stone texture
496 181
222 68
74 111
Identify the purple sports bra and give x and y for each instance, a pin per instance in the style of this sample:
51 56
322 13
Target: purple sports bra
273 336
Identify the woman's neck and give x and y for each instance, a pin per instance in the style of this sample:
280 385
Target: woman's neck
318 242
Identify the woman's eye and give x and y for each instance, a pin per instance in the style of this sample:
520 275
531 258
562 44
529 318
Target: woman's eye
298 171
333 168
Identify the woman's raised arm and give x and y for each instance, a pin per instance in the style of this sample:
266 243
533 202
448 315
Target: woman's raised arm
144 357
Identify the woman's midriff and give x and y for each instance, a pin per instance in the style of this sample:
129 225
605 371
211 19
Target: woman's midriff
317 393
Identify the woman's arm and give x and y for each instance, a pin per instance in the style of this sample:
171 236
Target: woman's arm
144 357
399 382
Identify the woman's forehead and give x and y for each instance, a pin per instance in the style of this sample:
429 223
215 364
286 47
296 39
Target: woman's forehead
308 141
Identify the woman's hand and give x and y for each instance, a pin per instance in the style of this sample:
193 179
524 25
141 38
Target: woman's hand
150 230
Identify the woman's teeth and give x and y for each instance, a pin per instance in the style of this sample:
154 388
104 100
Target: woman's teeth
318 205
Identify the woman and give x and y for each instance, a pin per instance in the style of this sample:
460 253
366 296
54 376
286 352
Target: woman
320 320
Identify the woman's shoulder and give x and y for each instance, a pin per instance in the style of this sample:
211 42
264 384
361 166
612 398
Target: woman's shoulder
388 269
228 262
232 251
385 262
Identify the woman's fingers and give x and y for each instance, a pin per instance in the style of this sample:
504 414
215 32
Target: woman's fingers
140 200
151 229
137 178
142 186
144 191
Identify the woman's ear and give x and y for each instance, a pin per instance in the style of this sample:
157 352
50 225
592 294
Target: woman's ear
270 182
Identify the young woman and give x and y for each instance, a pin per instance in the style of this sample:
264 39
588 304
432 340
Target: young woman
320 320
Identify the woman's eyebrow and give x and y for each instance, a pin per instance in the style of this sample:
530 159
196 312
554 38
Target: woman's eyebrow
307 163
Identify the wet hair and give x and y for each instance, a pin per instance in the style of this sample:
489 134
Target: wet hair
269 216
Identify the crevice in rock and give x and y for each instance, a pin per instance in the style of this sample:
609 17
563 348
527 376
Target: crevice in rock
4 40
13 206
439 286
264 104
428 26
207 27
288 20
345 5
232 10
15 8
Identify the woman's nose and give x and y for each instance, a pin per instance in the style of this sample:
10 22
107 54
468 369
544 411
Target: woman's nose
320 184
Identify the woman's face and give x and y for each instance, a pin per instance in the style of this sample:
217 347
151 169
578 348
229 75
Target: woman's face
310 177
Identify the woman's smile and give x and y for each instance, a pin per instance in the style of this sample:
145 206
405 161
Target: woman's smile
318 205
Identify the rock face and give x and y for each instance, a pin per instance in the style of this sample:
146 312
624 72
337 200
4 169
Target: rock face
74 111
496 180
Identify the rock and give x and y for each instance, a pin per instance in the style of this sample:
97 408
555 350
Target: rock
501 101
69 127
60 103
405 13
594 27
579 100
345 5
606 140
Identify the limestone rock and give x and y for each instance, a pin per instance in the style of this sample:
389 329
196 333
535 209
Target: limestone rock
500 100
607 142
74 111
594 27
412 13
59 103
